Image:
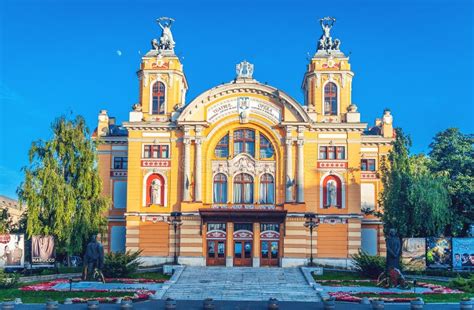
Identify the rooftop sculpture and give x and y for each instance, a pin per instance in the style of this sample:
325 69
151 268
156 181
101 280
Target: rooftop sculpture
326 42
166 42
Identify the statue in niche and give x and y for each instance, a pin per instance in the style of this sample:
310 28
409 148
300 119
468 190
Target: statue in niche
155 192
331 193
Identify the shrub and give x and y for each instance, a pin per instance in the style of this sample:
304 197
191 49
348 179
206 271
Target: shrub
8 280
368 265
121 265
465 285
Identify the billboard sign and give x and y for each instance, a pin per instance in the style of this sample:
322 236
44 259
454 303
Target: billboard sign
463 253
12 251
413 253
42 250
438 252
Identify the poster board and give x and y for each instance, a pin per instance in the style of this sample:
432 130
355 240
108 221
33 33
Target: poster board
12 251
438 252
463 253
414 253
42 250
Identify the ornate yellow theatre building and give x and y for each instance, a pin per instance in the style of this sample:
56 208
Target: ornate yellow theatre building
243 163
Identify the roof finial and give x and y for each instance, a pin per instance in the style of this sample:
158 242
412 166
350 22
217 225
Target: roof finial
244 70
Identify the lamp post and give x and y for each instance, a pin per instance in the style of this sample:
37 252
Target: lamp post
311 222
175 220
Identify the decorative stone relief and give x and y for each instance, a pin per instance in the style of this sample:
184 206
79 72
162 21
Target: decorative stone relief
243 163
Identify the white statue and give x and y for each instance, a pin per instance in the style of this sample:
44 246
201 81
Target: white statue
331 193
387 117
326 42
155 192
166 41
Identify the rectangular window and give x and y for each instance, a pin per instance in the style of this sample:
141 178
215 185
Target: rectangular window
156 151
121 163
216 226
322 152
271 227
332 152
367 165
243 226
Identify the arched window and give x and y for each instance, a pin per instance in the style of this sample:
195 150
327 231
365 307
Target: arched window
267 189
266 148
244 142
330 99
158 98
332 192
155 187
222 148
220 188
243 188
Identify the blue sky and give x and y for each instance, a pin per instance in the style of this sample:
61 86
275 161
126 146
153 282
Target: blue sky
58 57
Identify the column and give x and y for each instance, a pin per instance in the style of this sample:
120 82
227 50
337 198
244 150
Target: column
300 172
289 170
256 245
187 169
198 171
229 259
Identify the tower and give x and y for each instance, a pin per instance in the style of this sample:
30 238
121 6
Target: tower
327 83
162 84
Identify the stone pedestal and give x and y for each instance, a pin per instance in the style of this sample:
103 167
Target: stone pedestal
229 261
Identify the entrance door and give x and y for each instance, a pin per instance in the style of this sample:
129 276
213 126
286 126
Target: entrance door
242 253
215 253
269 253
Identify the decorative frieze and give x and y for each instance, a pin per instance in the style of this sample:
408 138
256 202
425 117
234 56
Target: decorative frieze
243 163
156 163
332 164
118 173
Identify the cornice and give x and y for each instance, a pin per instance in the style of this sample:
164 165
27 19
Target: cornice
150 126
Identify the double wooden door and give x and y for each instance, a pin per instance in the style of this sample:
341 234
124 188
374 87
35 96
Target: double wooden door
215 253
243 253
269 253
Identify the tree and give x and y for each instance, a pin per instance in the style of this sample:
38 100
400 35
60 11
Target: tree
62 187
5 221
452 156
414 201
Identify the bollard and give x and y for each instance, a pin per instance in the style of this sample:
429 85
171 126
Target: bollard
465 305
9 305
329 304
170 304
273 304
209 304
365 301
17 301
51 305
126 304
92 304
68 301
417 304
378 304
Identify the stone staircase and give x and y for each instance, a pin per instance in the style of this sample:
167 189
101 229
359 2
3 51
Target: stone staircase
243 284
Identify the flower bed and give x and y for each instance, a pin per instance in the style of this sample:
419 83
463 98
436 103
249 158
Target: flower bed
354 297
138 294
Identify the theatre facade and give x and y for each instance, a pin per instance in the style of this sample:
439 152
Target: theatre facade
227 178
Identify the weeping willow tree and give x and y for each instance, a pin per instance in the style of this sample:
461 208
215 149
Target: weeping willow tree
414 201
62 187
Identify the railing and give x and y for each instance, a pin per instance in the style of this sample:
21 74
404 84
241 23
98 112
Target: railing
240 206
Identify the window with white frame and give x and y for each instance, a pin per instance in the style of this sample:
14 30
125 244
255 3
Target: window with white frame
156 151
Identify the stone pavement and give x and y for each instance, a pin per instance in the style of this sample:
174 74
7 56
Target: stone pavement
243 284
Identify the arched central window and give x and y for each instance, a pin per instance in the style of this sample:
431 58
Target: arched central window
220 188
266 149
244 142
158 98
243 188
267 189
330 99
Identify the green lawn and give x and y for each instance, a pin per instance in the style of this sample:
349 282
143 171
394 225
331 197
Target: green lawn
150 275
426 297
42 297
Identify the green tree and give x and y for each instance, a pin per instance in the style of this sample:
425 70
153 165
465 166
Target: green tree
5 221
414 201
62 187
452 156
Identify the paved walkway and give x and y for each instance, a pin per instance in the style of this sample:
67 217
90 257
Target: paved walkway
243 284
